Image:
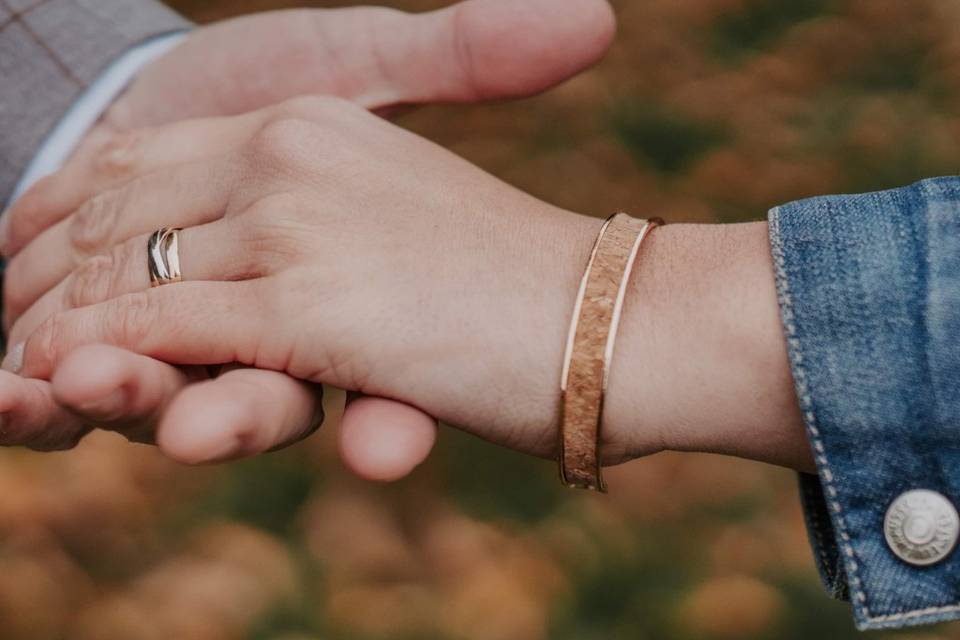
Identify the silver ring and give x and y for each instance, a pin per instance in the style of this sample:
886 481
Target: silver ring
163 257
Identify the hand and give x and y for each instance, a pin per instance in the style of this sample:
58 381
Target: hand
340 249
323 51
375 57
378 58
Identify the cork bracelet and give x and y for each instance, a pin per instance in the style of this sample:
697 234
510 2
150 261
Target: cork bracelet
593 330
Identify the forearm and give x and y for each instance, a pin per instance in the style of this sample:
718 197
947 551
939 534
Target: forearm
701 358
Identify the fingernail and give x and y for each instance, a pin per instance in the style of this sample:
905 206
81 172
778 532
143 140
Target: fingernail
13 361
108 408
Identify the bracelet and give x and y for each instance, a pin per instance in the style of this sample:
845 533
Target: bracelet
593 329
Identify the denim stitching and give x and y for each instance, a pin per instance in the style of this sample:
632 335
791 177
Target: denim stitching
823 465
806 402
928 614
915 613
932 188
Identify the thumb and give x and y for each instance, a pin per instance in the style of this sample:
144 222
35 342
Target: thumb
383 439
488 49
473 50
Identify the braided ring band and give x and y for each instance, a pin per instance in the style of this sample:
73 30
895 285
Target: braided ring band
163 258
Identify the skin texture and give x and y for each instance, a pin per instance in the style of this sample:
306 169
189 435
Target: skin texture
375 57
315 247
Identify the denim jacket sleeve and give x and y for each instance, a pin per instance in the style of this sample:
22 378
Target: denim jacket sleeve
869 289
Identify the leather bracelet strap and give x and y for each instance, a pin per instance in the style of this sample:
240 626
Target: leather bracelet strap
593 330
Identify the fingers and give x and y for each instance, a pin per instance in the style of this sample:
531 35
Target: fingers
183 323
243 412
108 164
116 389
240 413
384 439
492 49
373 56
186 195
203 253
478 49
29 416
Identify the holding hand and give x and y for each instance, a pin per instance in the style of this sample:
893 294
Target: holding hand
325 243
378 58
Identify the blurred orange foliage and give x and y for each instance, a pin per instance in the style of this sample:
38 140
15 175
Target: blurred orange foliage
705 110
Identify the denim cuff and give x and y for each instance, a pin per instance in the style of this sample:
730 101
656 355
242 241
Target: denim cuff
869 292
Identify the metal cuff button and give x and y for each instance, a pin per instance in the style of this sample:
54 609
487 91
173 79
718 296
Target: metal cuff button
921 527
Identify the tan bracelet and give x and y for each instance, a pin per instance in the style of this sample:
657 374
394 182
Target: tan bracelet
593 329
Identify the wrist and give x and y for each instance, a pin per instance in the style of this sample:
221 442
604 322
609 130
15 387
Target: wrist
701 362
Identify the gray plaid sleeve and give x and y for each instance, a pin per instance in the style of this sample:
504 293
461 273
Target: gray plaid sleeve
50 50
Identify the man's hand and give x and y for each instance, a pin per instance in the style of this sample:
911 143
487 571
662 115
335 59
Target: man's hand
375 57
378 58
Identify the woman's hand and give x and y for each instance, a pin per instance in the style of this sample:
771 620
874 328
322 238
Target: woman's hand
328 244
338 248
375 57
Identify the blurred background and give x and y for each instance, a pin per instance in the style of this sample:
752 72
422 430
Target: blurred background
705 110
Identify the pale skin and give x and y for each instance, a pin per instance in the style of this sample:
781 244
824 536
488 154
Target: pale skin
453 55
322 242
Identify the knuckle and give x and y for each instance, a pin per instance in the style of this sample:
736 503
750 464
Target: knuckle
281 141
129 318
119 156
271 233
92 224
91 282
46 340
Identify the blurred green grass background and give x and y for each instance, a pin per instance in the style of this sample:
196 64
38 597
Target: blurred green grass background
704 110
